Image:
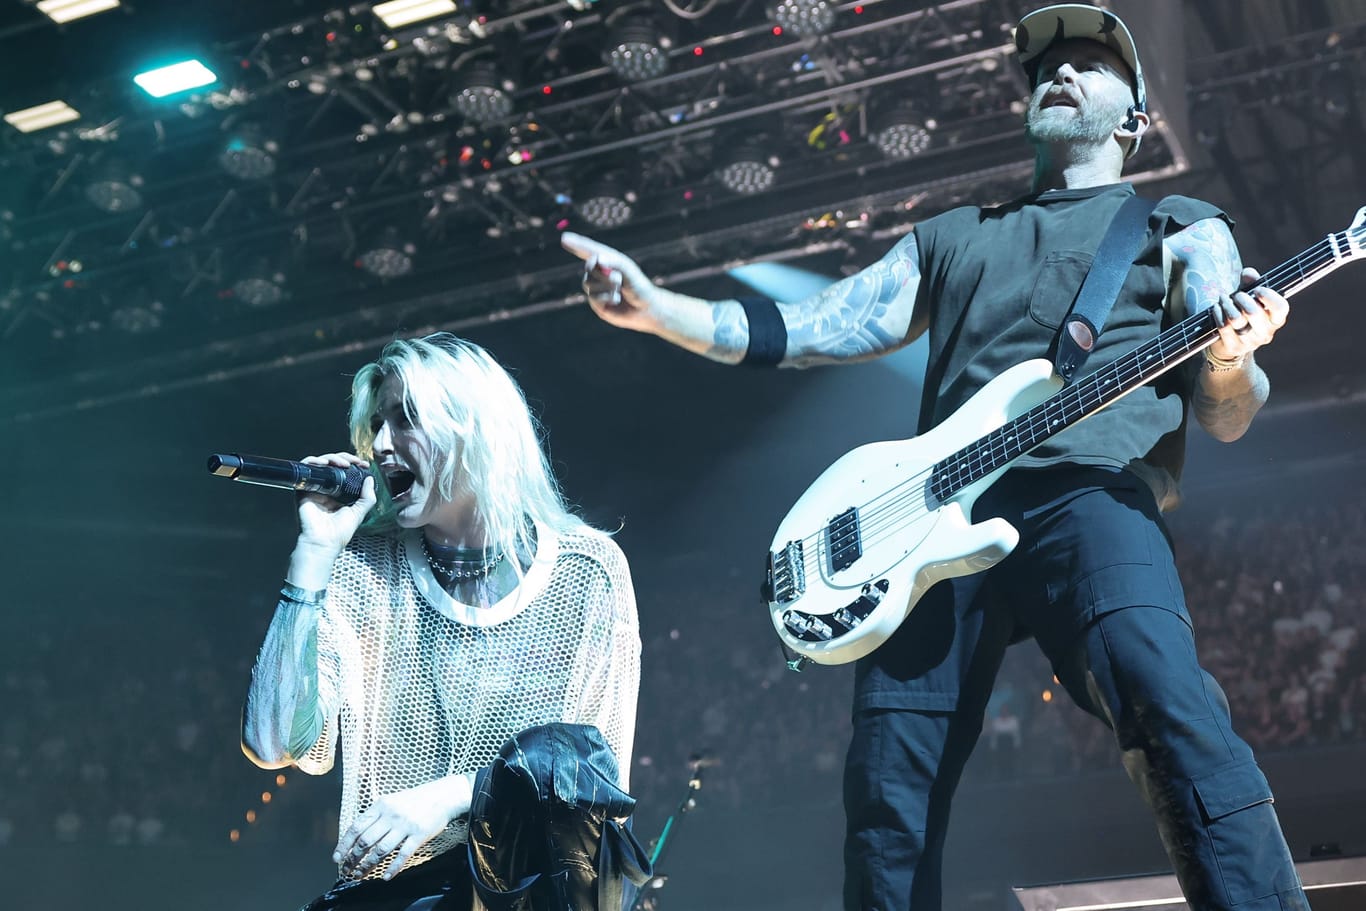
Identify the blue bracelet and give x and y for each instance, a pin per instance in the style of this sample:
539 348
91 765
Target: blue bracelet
297 595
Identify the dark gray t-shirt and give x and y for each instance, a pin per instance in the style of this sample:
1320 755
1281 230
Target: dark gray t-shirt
998 283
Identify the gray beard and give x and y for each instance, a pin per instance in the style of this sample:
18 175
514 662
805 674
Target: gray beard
1092 126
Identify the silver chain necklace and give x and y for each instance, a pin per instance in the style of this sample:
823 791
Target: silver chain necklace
460 570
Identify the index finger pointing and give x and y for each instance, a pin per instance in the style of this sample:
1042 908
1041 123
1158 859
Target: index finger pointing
580 246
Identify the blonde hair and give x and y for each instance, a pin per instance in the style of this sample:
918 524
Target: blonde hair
483 437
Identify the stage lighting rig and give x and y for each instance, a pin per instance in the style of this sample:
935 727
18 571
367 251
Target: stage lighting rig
114 187
637 49
747 168
399 13
139 313
175 78
60 11
803 18
607 200
259 284
390 254
41 117
899 132
249 154
481 95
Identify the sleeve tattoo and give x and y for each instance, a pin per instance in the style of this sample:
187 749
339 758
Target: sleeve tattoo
1210 262
867 314
1211 270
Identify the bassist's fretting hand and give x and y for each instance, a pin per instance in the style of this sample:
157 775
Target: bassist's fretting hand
1248 318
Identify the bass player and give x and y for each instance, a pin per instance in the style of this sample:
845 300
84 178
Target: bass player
1093 579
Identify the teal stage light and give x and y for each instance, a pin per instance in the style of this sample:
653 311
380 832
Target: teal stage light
178 77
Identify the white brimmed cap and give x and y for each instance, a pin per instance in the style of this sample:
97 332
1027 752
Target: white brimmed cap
1038 30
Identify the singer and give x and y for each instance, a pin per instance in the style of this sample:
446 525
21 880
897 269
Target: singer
470 643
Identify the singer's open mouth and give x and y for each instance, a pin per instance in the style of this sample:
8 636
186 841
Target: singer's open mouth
399 482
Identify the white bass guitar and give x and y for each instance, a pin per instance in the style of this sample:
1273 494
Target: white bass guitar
888 520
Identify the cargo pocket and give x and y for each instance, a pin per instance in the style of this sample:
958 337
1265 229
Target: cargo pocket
1231 789
1249 852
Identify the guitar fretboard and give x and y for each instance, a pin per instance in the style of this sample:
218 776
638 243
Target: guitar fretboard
1115 380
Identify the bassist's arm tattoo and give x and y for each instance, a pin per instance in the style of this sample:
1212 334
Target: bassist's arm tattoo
1209 269
730 332
867 314
1208 261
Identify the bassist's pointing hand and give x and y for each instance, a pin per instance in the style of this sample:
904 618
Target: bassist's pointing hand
617 289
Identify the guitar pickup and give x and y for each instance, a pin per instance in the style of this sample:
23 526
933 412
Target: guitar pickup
844 540
786 574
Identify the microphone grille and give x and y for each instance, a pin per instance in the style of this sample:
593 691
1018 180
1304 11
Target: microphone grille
352 482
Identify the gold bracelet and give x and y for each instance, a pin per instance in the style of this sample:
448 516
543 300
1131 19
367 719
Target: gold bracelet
1217 364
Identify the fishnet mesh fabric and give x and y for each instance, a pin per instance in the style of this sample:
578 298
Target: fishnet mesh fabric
415 695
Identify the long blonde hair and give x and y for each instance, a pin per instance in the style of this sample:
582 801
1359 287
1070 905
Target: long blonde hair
483 437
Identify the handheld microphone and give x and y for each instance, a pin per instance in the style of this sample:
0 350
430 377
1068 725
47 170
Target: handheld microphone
341 484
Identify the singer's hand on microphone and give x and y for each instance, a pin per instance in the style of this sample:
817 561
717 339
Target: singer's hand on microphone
325 525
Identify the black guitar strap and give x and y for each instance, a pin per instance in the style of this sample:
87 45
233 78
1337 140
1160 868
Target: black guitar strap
1114 257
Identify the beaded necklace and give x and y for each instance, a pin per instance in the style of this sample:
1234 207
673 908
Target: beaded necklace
450 570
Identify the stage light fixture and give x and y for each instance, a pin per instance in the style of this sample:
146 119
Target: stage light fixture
803 18
114 187
389 255
139 318
480 94
42 116
900 133
606 201
637 50
258 285
399 13
177 77
747 168
249 154
60 11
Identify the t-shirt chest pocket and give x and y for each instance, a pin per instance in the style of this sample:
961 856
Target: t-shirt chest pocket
1056 286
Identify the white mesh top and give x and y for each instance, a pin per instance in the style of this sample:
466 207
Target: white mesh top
420 686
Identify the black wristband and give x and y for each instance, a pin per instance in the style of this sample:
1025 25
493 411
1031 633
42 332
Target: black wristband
767 332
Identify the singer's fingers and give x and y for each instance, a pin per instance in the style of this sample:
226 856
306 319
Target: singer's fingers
405 852
336 460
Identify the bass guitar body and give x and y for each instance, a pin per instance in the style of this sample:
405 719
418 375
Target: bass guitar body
869 537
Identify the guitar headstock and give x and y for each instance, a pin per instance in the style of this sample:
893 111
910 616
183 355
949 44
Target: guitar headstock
1355 235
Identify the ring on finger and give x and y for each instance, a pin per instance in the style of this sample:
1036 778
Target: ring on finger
1243 329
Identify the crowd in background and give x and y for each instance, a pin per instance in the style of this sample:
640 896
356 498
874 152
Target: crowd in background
139 747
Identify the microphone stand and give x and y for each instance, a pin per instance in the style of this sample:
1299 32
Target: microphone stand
647 899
